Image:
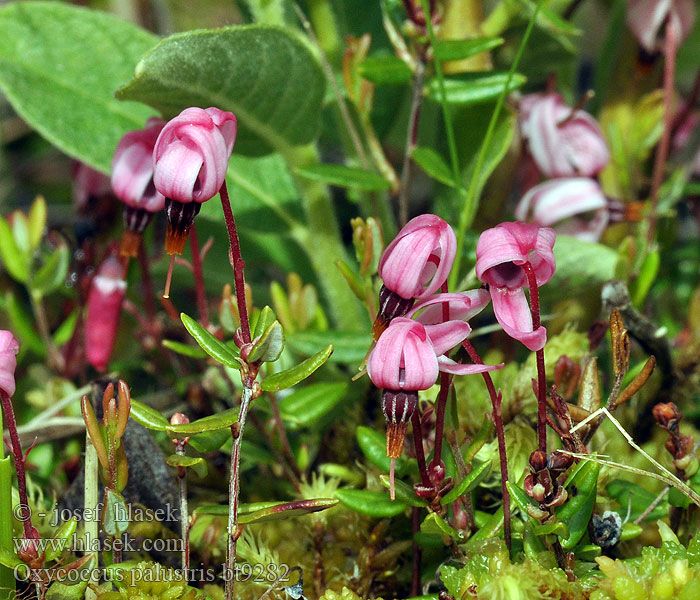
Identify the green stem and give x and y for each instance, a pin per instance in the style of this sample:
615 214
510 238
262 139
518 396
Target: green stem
7 578
321 240
91 493
471 201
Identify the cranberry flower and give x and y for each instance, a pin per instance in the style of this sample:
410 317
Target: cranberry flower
190 158
646 18
132 182
501 254
563 141
566 201
9 347
107 291
414 266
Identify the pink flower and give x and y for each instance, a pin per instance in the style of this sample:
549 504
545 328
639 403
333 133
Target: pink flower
646 18
9 347
563 144
107 291
192 152
88 184
567 199
461 307
132 168
500 254
417 262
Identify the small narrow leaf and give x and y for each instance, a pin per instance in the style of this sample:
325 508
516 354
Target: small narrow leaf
148 417
459 49
196 463
347 177
115 515
210 441
53 273
220 420
389 70
219 351
372 504
290 377
404 492
21 324
287 510
474 88
16 262
184 349
265 319
433 164
373 446
307 405
270 345
434 524
469 483
37 221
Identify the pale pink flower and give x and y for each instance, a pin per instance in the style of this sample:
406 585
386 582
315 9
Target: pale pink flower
417 262
107 291
564 202
9 347
132 168
192 152
646 18
562 144
501 253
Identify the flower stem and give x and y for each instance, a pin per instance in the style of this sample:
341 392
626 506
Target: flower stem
237 263
541 375
500 435
199 289
415 528
418 443
234 487
445 383
146 284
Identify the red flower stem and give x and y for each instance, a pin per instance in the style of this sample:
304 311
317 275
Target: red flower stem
500 435
445 383
541 375
146 284
199 290
418 443
662 150
18 455
236 261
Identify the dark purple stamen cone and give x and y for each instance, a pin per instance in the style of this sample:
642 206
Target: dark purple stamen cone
135 221
398 407
180 219
391 305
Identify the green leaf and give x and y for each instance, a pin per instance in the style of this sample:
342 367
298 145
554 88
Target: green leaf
9 559
433 164
577 510
196 463
434 524
304 407
115 517
373 446
270 345
287 510
59 67
147 416
61 539
66 329
348 346
219 351
372 504
404 492
36 221
53 273
21 323
474 88
16 262
469 483
389 70
210 441
459 49
266 317
581 264
555 527
184 349
346 177
647 276
290 377
267 76
220 420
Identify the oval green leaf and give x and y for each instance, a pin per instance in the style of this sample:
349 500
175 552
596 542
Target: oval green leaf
433 164
219 351
184 349
469 483
460 49
287 510
404 492
59 67
53 272
304 407
372 504
16 262
220 420
115 519
265 318
434 524
267 76
147 416
270 345
196 463
474 88
290 377
373 446
345 177
389 70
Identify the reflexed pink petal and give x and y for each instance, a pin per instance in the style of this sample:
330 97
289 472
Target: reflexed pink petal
449 366
446 336
645 18
9 347
462 306
513 314
559 199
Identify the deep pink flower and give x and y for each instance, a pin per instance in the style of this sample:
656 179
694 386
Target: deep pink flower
646 18
563 144
132 168
9 347
567 199
500 254
107 291
192 152
417 262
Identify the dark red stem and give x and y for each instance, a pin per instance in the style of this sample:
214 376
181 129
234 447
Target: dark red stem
19 458
541 375
420 453
445 382
415 526
199 290
500 435
237 262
